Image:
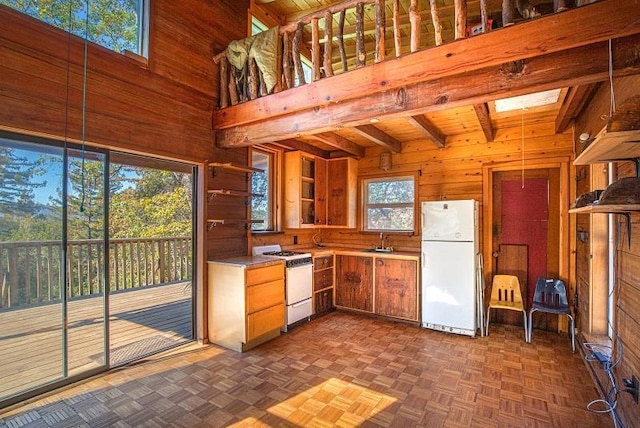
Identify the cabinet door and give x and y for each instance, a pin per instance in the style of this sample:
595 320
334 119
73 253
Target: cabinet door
397 288
265 321
341 192
323 301
321 191
354 282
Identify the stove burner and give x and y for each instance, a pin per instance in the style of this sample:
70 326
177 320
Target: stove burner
281 253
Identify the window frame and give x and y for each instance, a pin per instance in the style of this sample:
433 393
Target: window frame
363 206
142 30
273 196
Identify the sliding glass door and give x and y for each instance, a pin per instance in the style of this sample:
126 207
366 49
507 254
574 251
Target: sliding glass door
52 223
96 261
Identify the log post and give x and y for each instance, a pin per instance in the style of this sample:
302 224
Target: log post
286 61
263 85
315 49
224 83
328 43
461 18
233 89
380 30
484 16
397 37
414 17
340 35
361 54
253 78
437 25
279 69
508 12
297 40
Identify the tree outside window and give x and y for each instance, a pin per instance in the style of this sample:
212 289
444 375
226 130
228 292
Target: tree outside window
262 190
389 204
118 25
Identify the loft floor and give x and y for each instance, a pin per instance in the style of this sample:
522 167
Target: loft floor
340 370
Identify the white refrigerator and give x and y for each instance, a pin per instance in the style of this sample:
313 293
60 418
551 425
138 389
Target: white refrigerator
449 249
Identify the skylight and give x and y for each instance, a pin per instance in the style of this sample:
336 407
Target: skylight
527 101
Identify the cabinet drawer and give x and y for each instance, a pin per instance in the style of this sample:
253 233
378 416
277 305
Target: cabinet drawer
322 279
322 262
264 321
265 274
263 295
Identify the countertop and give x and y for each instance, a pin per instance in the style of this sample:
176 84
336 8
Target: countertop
248 261
331 249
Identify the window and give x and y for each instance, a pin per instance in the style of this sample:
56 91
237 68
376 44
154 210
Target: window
118 25
389 204
262 188
257 26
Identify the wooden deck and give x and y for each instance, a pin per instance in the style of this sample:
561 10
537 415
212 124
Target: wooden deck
142 321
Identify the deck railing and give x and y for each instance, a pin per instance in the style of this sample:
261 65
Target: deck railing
31 272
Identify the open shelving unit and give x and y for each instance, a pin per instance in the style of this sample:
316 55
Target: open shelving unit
212 193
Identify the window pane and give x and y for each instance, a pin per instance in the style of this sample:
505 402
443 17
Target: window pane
114 24
389 204
260 184
390 192
390 218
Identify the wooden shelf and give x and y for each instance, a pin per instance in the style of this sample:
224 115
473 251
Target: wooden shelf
214 222
611 146
233 167
607 209
226 192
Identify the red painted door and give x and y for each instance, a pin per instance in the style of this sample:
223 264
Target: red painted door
525 221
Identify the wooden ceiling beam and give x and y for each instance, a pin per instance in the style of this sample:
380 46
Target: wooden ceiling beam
573 103
296 144
545 72
549 34
339 142
482 112
428 129
379 137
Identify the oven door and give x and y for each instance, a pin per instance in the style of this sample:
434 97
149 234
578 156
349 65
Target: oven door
299 283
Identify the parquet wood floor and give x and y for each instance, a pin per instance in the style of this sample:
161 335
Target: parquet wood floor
341 370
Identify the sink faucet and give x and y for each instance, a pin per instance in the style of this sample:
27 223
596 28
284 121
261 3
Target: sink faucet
381 240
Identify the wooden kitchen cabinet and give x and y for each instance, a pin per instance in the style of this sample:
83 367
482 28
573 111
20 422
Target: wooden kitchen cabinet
319 192
396 288
323 273
246 302
341 192
354 282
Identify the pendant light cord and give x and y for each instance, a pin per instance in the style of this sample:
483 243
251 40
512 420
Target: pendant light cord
84 103
522 143
612 105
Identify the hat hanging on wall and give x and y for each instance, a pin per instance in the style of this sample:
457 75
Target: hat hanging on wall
385 161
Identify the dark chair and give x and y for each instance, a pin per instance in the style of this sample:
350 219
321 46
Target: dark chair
551 297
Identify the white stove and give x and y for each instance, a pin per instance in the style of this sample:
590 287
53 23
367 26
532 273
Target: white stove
298 281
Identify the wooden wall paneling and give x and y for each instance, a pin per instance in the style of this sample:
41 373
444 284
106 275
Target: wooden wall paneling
129 107
627 313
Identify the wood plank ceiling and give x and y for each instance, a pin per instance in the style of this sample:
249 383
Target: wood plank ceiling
390 133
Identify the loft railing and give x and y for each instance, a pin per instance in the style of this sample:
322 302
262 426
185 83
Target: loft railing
31 272
238 85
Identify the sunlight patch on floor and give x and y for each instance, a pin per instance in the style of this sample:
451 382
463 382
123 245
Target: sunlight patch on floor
332 403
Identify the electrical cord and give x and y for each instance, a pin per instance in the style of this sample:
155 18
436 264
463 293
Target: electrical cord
603 354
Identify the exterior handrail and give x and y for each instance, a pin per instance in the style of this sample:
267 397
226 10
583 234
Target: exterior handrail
32 270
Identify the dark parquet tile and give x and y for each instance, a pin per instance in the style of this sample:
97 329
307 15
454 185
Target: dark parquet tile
341 370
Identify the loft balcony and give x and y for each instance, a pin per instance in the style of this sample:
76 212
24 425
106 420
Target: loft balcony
365 88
